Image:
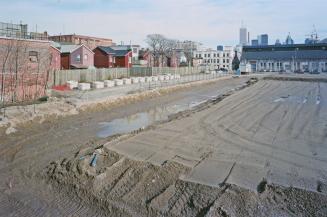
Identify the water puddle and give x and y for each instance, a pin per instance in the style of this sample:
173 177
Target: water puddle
138 120
289 98
145 119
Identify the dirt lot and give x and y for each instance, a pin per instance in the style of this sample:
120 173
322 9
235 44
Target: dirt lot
225 158
24 154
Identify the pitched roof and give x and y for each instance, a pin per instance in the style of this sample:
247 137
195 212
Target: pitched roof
68 48
116 51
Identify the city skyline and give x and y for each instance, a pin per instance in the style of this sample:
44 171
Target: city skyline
206 21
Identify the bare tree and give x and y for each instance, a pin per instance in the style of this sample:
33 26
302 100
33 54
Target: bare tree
169 49
6 51
17 62
155 44
188 52
161 48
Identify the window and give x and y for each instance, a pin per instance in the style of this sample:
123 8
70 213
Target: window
86 56
214 55
208 55
200 55
33 56
134 50
227 54
205 55
224 61
78 58
227 60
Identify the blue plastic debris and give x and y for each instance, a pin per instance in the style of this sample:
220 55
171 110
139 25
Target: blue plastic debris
94 160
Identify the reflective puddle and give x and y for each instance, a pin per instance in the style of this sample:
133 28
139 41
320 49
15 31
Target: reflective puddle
143 119
138 120
294 99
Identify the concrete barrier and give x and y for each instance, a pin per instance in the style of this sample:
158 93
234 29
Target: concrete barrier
166 77
72 84
148 79
141 79
135 80
161 77
84 86
177 76
127 81
118 82
97 84
109 83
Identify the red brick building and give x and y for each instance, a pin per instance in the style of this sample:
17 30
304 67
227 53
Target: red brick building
118 56
25 67
89 41
55 58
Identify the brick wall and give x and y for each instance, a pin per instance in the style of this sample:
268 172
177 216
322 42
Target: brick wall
25 65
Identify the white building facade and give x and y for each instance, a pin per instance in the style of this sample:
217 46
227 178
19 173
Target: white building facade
216 59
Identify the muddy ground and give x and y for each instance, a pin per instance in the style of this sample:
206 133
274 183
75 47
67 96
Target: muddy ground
123 187
28 151
45 171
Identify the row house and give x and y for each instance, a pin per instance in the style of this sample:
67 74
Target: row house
116 56
76 57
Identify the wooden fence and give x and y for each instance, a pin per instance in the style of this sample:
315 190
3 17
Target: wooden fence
88 75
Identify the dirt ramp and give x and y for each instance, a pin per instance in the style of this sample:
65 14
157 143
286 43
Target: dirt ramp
122 187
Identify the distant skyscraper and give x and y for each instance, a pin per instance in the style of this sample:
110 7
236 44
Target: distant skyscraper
263 39
254 42
243 36
278 42
289 40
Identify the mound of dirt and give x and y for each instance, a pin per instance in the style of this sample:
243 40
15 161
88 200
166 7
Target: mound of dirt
123 187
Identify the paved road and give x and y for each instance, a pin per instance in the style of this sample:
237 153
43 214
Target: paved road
274 131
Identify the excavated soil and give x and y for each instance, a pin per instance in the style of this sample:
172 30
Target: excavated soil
41 176
121 187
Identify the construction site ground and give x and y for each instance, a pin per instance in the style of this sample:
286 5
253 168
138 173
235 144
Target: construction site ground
234 147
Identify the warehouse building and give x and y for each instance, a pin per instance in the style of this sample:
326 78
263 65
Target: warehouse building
299 58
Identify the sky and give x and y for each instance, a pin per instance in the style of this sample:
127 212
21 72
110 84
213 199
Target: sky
211 22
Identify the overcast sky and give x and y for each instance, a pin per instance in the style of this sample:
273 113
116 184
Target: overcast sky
211 22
